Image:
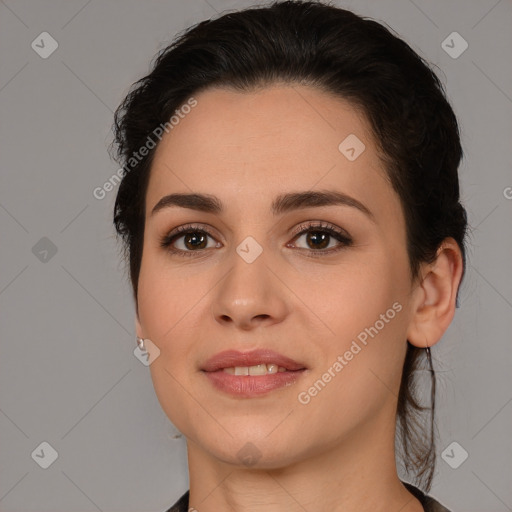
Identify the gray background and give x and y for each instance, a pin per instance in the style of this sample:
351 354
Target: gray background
68 372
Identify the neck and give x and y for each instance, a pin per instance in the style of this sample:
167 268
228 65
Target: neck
357 474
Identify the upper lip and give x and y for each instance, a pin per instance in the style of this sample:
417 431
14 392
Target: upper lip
232 358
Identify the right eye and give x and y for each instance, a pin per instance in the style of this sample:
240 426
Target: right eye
192 239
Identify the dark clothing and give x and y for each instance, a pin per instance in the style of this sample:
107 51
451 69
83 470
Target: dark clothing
429 504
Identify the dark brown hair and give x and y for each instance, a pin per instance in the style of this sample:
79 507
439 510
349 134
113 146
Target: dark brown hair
343 54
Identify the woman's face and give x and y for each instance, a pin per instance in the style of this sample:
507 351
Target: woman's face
256 277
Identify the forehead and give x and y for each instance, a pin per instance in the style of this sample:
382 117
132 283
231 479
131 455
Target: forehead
257 144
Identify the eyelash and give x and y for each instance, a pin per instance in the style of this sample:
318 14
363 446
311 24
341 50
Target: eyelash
167 240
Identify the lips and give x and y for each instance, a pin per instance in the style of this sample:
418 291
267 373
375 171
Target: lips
234 358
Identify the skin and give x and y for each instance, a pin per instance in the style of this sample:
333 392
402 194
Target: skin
336 452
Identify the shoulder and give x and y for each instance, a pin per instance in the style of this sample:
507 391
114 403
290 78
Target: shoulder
181 505
429 503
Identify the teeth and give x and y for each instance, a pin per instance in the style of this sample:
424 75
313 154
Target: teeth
259 369
241 370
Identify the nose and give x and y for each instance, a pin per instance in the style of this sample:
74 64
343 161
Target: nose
251 295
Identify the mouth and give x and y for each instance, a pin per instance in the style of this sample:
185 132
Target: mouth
251 374
258 369
254 361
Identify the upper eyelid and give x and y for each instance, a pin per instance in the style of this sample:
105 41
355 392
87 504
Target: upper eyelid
305 226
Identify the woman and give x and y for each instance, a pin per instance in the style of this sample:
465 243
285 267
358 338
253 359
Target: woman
291 217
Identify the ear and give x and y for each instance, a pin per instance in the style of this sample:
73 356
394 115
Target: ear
435 296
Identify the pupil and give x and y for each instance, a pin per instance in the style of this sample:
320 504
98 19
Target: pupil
193 238
316 236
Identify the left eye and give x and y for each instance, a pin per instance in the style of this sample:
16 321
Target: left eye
317 238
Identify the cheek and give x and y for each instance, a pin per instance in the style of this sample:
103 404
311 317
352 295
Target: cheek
348 297
165 296
364 309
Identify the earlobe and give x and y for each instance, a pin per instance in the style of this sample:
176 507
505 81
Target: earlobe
436 296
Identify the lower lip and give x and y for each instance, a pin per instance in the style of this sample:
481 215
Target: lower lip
248 386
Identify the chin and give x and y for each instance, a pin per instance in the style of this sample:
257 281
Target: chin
257 453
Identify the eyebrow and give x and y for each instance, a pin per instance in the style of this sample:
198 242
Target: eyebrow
282 204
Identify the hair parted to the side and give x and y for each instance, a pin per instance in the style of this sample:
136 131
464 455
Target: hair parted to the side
351 57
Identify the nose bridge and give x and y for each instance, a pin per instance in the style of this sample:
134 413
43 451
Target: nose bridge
249 292
247 278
